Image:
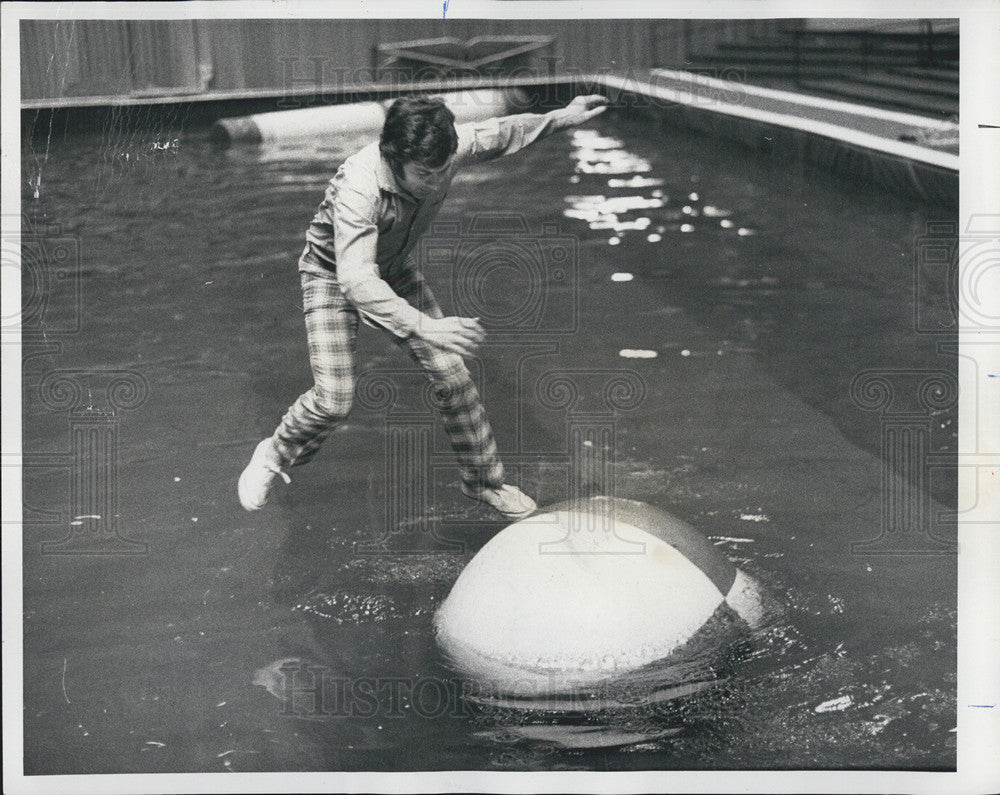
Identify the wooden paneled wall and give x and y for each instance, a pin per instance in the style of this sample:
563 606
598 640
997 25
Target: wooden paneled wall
122 58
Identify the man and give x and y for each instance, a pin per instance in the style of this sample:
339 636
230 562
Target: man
357 265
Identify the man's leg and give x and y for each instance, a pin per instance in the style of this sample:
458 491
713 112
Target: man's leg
331 328
462 410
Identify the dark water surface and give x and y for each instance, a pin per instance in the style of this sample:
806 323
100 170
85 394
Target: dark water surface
201 654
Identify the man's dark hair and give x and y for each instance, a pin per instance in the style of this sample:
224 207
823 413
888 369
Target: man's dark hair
418 130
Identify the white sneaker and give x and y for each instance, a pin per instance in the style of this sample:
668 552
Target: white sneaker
255 483
509 500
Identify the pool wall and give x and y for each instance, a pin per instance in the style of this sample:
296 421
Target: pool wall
868 145
871 147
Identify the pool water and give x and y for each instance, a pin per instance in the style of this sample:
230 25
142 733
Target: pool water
742 293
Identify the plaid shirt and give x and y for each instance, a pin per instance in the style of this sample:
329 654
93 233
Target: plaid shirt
367 224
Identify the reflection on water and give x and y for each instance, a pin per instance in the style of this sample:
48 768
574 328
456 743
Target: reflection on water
333 149
570 736
601 154
597 155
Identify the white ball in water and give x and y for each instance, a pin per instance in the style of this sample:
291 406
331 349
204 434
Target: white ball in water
576 595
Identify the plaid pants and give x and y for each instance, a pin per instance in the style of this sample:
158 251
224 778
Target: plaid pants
332 326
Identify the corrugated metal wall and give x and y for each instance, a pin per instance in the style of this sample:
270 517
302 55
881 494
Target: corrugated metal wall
122 58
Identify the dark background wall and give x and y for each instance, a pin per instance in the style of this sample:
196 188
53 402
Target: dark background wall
133 58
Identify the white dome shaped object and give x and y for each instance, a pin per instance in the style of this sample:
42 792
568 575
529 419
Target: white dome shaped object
581 593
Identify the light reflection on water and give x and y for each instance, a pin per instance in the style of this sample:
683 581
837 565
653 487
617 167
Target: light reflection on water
595 156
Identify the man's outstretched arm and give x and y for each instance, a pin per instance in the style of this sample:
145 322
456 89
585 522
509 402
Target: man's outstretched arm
485 140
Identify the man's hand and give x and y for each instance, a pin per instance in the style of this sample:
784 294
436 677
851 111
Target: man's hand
583 109
461 335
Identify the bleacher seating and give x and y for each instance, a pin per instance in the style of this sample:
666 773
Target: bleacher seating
909 65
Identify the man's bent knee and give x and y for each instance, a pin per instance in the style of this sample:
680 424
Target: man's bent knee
455 390
334 405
